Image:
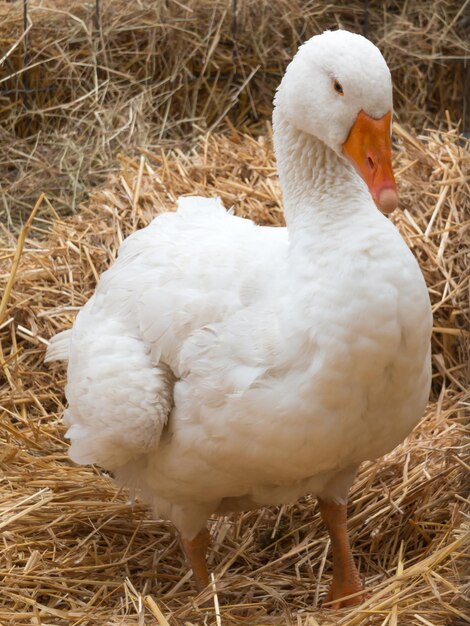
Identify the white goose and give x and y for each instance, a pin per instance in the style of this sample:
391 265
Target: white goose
222 366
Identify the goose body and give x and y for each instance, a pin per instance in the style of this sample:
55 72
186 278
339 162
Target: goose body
222 365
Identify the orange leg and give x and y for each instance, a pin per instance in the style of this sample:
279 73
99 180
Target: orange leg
345 575
195 550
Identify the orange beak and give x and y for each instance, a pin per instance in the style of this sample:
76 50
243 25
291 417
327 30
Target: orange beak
369 149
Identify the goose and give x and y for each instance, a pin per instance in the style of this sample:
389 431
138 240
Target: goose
222 366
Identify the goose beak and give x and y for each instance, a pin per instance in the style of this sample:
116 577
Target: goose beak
369 149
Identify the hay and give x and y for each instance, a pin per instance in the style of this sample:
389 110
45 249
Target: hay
74 551
90 79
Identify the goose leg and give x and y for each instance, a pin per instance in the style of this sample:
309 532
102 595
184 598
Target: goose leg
195 551
345 575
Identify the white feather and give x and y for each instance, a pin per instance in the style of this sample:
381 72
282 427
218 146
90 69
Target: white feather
59 347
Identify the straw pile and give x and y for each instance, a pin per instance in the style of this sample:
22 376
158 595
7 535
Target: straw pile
75 552
87 79
90 79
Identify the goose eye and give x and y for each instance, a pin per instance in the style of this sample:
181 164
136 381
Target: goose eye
338 88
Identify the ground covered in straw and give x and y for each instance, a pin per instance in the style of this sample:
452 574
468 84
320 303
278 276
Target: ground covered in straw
74 551
81 81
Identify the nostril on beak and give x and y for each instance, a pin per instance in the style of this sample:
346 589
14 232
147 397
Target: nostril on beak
371 163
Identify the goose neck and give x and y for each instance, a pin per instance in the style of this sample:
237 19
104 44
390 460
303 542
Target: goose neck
319 187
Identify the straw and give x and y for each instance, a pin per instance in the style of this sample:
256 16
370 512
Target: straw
104 77
74 551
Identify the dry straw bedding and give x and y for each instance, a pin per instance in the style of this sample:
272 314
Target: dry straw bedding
74 551
82 84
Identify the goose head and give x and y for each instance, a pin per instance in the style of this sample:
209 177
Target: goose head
338 89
